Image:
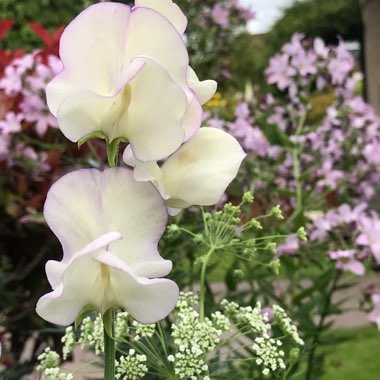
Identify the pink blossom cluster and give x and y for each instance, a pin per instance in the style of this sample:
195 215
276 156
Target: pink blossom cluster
339 148
352 235
22 86
222 11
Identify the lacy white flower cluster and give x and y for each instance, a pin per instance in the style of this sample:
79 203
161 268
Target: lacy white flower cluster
189 343
269 354
48 366
194 338
131 367
286 324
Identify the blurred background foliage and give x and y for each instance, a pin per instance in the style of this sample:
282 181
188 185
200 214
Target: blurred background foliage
213 50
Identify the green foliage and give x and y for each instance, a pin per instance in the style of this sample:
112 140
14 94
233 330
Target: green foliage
49 13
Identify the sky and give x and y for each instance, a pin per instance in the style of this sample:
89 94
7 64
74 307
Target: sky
267 12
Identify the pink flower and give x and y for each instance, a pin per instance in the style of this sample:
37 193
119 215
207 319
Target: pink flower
290 247
220 16
11 124
280 72
11 83
370 236
346 261
305 63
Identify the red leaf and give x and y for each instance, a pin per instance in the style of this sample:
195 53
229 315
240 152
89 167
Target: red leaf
5 26
41 32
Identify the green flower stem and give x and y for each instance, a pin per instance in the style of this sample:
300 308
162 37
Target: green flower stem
109 345
321 325
205 261
295 151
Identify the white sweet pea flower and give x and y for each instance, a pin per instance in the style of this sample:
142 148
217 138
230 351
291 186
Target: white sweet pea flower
125 74
197 92
168 9
198 173
109 226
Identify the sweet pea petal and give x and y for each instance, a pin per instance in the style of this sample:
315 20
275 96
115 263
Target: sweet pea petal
86 204
85 112
147 300
151 35
203 89
81 285
153 122
168 9
92 49
192 119
103 280
54 269
200 171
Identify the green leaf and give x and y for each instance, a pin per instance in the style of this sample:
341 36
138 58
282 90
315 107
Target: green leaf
113 150
108 322
84 312
94 135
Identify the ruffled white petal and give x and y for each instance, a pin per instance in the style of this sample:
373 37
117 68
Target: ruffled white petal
147 300
151 35
192 119
168 9
86 204
103 280
85 112
55 269
153 122
203 89
200 171
92 49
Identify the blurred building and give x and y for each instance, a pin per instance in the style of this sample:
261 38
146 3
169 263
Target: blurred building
371 20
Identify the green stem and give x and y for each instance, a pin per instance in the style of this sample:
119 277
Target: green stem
202 282
109 345
295 151
321 325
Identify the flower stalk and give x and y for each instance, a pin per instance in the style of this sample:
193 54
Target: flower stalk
205 261
109 345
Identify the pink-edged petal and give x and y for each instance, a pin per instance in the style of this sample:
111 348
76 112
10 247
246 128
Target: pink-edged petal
128 157
55 269
81 285
147 300
85 112
204 90
93 45
168 9
192 119
143 171
200 171
153 121
88 203
151 35
92 50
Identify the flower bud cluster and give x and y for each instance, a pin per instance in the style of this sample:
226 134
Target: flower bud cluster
68 341
131 367
269 354
49 361
194 338
91 334
286 324
143 330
